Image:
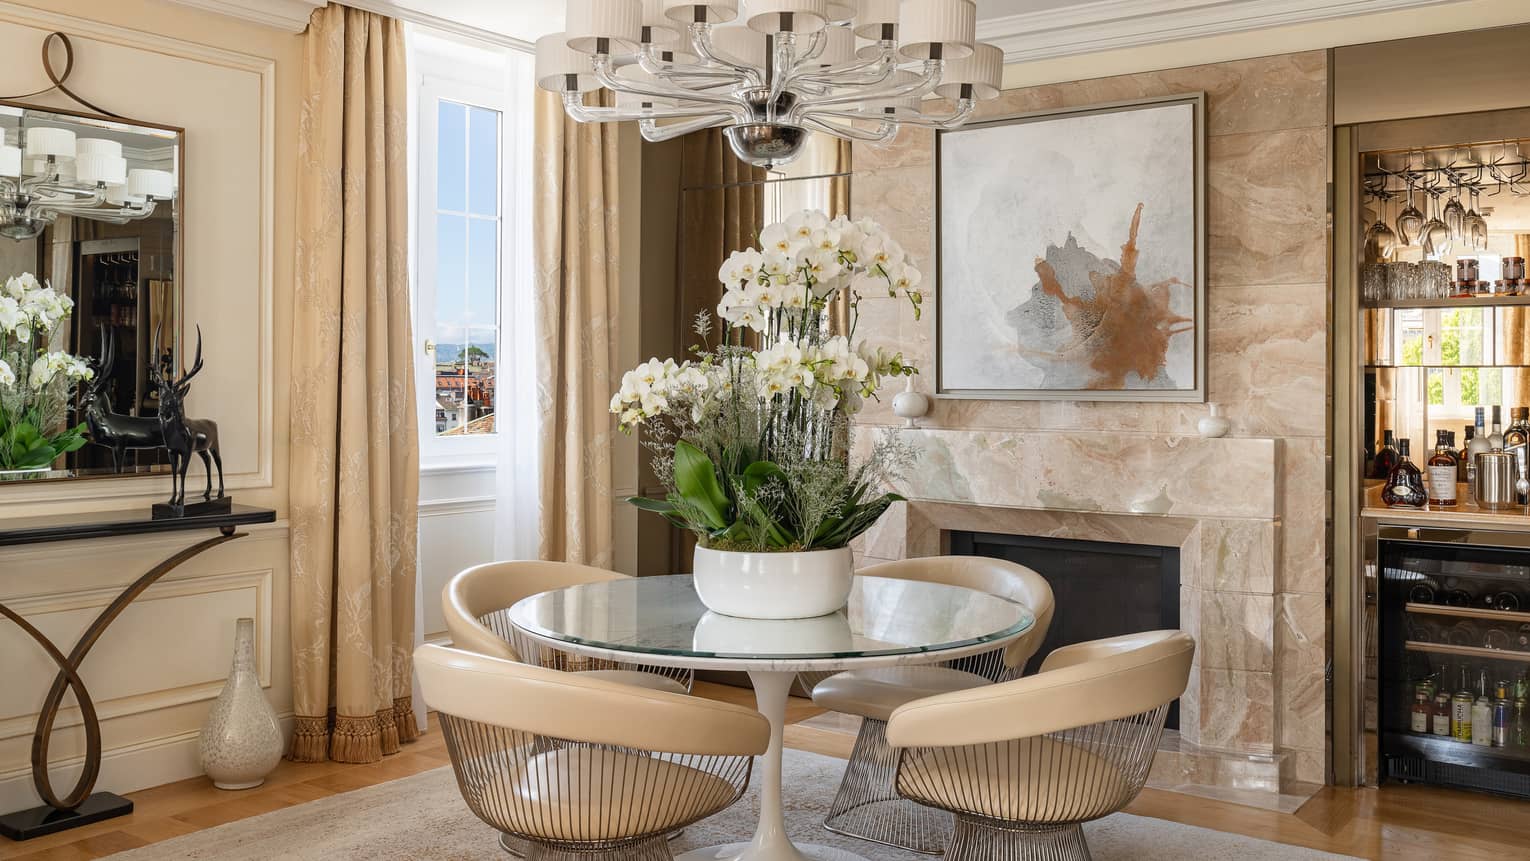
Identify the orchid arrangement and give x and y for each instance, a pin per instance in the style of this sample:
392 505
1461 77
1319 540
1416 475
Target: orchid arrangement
36 383
751 435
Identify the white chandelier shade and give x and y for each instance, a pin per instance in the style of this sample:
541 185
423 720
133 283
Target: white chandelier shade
53 172
772 72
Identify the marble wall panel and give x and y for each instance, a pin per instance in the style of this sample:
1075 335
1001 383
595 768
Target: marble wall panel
1261 94
1253 574
1084 471
1266 207
1237 710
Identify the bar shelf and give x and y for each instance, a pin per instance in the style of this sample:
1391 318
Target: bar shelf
1467 651
1469 613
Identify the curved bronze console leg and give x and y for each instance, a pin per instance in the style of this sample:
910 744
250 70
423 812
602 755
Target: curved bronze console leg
56 815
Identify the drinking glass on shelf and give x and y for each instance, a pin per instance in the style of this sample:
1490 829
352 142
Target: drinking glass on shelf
1496 638
1373 282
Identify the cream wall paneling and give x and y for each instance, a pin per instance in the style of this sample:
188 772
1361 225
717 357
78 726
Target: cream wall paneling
156 669
226 102
455 533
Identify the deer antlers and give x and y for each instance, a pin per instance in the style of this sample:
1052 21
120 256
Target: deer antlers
182 385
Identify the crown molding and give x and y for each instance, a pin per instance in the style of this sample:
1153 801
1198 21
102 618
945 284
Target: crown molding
1104 25
288 15
446 25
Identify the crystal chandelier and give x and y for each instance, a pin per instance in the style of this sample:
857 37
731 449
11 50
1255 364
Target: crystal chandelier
855 69
50 172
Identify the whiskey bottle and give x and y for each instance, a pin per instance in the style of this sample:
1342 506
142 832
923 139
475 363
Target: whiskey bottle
1405 486
1423 710
1515 441
1442 472
1386 457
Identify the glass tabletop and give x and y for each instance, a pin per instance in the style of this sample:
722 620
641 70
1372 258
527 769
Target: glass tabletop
663 616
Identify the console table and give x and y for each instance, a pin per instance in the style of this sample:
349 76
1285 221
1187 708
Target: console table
80 806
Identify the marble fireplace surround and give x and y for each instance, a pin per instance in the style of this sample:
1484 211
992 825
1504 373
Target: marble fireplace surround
1216 500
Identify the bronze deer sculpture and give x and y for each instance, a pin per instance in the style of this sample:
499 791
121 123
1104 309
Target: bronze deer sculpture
116 431
184 436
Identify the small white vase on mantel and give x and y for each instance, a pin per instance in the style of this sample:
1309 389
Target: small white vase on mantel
1215 425
241 741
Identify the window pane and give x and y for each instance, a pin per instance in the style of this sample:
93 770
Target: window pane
451 156
451 273
482 273
483 161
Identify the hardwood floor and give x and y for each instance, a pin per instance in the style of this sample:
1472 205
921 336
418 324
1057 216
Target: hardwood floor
1394 822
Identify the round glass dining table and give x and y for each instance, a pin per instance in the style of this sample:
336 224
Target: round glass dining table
660 621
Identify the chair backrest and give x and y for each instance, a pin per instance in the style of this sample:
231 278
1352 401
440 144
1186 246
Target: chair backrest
577 707
483 589
1079 685
994 576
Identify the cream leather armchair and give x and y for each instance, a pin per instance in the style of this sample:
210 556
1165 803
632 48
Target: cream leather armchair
867 805
1023 763
581 767
476 603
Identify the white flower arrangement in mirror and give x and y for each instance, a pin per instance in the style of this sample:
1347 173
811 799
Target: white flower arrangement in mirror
36 383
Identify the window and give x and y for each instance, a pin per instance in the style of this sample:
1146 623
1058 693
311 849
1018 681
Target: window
466 207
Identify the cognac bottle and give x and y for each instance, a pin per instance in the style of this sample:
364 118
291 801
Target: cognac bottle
1442 472
1386 457
1405 486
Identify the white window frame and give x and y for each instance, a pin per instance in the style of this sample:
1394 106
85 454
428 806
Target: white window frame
439 76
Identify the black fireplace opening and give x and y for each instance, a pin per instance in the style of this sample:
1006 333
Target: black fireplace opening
1100 588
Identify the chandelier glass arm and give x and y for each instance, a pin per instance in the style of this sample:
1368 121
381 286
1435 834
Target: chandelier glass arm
919 87
955 118
654 133
649 62
870 71
659 91
884 132
701 40
583 113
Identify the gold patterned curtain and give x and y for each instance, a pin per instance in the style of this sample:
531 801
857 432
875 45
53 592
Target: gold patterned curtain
574 234
1516 340
354 470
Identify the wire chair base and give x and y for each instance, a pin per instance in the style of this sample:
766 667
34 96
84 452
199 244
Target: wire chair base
653 849
868 806
986 840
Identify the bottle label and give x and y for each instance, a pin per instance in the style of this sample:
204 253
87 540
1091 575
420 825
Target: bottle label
1442 483
1442 723
1420 721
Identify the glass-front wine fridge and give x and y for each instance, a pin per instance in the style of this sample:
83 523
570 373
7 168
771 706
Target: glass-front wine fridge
1454 650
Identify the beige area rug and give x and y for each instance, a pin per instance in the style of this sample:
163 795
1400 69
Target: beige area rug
423 817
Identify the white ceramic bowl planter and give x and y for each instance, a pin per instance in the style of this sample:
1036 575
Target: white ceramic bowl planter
774 585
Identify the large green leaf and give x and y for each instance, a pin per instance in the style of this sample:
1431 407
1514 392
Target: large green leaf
659 506
696 480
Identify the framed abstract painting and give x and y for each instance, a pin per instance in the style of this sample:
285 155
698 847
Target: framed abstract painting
1072 254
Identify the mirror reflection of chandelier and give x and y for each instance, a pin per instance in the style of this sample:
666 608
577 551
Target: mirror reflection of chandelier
50 172
775 70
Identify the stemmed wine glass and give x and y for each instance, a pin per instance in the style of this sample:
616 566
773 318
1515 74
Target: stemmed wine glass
1409 221
1475 226
1434 236
1379 237
1455 217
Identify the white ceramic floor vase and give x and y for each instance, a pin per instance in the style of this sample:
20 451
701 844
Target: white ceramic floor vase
774 585
241 741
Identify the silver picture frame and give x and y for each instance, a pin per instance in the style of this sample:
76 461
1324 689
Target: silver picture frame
1195 393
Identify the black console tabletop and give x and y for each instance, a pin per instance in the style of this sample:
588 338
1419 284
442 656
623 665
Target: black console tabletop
132 521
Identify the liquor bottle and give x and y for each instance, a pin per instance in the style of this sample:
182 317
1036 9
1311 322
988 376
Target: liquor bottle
1476 444
1405 486
1423 711
1442 472
1495 439
1501 711
1516 439
1482 722
1461 709
1441 720
1466 471
1386 457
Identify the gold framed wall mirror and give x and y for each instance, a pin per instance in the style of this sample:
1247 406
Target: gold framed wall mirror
92 205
